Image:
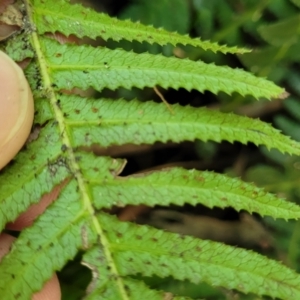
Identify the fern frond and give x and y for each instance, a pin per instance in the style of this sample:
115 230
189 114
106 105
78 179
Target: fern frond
109 122
55 238
134 288
26 183
46 247
86 66
53 16
117 250
147 251
178 186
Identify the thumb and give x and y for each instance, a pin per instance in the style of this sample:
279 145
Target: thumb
16 109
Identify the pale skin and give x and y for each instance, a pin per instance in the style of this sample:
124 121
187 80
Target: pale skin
14 89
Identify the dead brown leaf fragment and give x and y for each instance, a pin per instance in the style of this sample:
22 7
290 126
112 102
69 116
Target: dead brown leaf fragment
11 19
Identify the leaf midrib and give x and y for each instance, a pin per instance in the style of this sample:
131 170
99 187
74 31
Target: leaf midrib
74 166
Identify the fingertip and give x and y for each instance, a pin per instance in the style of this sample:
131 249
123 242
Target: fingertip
16 109
50 291
5 242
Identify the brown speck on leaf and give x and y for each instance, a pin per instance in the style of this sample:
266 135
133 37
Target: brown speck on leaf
64 148
127 288
119 234
200 178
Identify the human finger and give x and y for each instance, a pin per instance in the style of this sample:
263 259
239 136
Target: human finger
16 109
